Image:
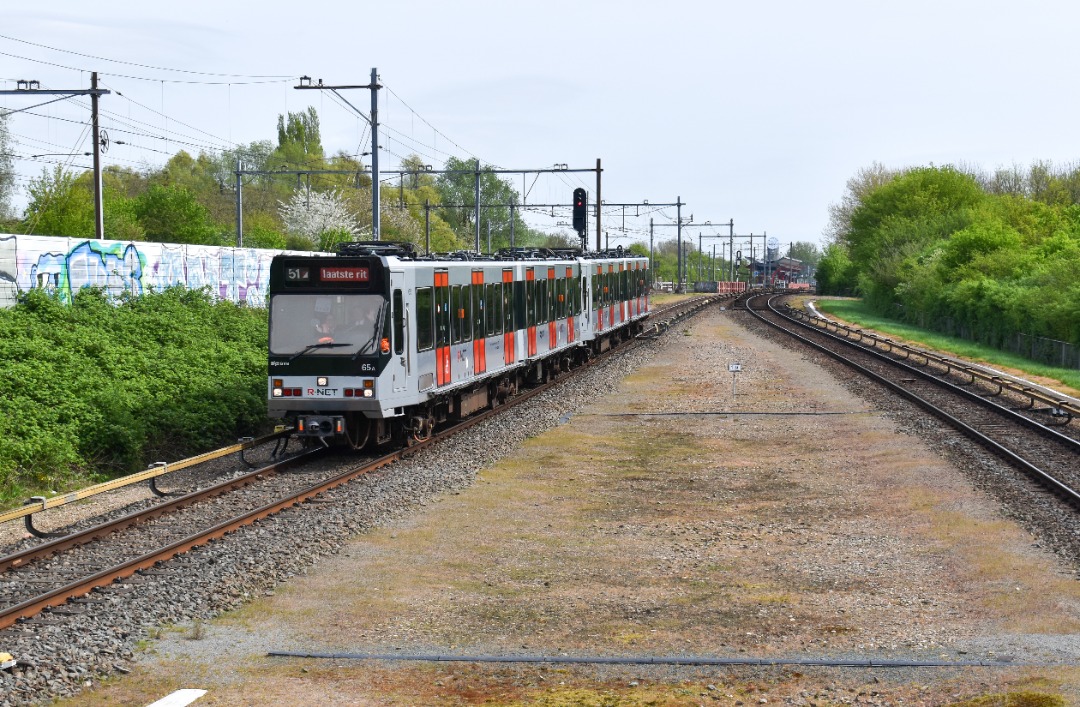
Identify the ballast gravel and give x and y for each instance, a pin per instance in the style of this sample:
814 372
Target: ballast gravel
910 614
63 652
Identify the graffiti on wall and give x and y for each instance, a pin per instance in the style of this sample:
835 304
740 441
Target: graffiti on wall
66 265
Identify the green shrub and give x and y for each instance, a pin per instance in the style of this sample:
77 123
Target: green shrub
98 389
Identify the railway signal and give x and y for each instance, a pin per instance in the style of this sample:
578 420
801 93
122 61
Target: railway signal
579 211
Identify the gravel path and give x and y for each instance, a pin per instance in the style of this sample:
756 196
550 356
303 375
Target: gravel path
746 528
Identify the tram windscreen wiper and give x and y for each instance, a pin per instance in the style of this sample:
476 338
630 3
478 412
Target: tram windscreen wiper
372 343
320 345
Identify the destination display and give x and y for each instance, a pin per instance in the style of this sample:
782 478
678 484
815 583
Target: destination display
343 274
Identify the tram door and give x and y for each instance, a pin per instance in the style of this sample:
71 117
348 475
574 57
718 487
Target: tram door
442 327
400 363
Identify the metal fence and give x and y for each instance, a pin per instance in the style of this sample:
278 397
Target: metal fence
1050 351
1037 348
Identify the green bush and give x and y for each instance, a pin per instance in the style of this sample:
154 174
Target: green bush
98 389
932 247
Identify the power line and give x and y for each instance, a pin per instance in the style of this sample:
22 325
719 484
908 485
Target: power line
147 66
425 122
132 100
147 78
38 105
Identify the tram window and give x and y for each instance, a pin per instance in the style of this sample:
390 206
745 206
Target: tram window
464 314
442 316
399 322
541 301
508 307
553 299
530 300
479 303
455 303
492 307
424 330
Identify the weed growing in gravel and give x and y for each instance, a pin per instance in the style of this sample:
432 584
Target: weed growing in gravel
197 632
1015 699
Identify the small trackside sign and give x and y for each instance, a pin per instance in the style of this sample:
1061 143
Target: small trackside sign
734 367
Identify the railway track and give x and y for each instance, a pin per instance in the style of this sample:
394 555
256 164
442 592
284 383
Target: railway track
1049 454
47 575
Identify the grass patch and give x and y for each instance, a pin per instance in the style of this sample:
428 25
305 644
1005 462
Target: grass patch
1015 699
856 312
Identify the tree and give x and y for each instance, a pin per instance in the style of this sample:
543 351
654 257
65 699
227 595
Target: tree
458 192
171 214
60 205
7 172
835 273
859 187
321 220
805 251
299 142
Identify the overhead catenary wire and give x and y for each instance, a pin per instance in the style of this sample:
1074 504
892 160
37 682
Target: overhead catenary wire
145 66
148 78
214 144
36 105
425 122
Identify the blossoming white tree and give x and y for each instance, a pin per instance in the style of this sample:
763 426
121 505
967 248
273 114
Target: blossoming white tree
322 218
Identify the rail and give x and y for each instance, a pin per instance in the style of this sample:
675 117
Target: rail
1058 406
158 469
58 595
1063 490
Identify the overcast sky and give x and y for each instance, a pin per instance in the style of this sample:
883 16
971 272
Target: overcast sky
752 111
